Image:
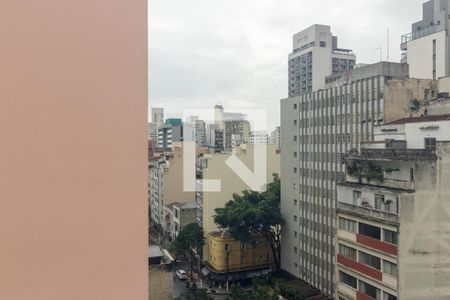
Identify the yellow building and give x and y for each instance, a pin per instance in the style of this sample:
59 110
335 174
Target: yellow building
228 255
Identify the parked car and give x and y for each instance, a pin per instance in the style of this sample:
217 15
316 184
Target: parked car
181 274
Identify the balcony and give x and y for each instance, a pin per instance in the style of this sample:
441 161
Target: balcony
416 35
376 244
359 267
369 213
386 183
393 154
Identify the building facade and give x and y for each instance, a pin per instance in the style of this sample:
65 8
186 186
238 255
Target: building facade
166 174
194 130
157 115
426 47
315 56
392 217
226 254
259 138
275 137
317 129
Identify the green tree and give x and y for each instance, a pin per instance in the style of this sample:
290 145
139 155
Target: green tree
190 237
255 213
259 292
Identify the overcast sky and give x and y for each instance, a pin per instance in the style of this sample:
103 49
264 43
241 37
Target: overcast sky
234 52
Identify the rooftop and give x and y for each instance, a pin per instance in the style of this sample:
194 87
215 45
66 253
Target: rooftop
445 117
392 154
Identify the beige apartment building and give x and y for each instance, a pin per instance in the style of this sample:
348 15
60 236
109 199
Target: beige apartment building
166 184
317 129
213 166
393 213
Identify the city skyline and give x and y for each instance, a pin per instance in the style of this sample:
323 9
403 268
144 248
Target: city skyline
237 56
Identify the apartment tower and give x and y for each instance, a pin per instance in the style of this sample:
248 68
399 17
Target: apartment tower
315 56
317 129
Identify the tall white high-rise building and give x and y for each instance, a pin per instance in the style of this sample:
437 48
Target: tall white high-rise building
315 56
426 48
194 130
275 137
157 115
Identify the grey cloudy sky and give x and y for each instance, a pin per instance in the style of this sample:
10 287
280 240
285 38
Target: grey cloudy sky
234 52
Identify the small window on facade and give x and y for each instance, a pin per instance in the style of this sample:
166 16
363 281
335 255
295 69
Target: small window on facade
295 202
323 44
295 154
430 143
295 170
295 249
379 201
295 218
411 174
356 197
295 233
295 105
295 122
295 138
389 268
390 236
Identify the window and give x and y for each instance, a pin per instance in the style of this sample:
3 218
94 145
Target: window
347 279
295 154
390 236
295 105
295 186
370 231
356 197
295 138
389 268
323 44
347 224
369 290
379 202
347 252
243 246
227 247
295 218
295 122
295 170
388 296
295 233
295 249
370 260
430 143
295 202
411 174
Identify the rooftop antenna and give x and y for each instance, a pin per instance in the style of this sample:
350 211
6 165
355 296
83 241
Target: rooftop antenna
387 58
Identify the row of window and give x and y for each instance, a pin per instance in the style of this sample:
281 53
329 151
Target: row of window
368 259
336 101
389 236
364 287
380 203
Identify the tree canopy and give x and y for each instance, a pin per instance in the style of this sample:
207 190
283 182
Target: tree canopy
254 213
191 236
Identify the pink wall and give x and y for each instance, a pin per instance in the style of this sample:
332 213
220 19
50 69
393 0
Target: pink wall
73 113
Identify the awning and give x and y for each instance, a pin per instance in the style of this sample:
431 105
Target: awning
235 276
